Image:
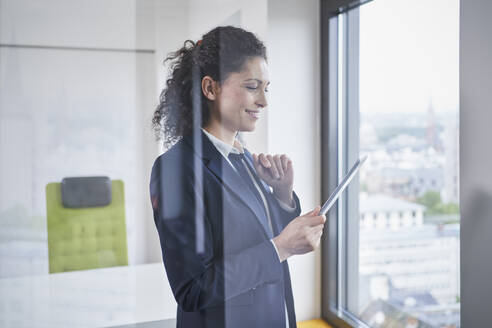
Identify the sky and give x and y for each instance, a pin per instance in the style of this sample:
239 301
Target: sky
409 56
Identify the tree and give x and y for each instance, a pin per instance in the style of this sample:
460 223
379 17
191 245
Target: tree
430 199
434 205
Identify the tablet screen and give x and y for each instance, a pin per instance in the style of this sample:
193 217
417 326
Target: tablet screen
341 187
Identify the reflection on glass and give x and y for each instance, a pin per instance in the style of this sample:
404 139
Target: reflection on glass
409 200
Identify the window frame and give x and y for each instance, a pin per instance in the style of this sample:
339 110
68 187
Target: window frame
340 109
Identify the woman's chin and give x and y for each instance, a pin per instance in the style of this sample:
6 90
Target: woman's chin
248 128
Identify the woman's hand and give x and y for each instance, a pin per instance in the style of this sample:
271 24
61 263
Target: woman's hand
301 235
278 173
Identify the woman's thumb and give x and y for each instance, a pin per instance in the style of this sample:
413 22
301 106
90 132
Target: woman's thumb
314 211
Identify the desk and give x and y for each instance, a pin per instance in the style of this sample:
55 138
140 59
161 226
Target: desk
106 297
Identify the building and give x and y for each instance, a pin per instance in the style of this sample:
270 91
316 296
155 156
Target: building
384 212
398 250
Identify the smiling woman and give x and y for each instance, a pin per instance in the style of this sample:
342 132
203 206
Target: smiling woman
227 220
227 59
238 101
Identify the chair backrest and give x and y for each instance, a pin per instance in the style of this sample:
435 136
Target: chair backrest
86 238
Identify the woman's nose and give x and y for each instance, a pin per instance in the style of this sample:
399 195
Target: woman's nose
262 100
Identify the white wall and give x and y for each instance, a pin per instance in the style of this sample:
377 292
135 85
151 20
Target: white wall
73 107
90 23
475 161
171 30
121 90
293 123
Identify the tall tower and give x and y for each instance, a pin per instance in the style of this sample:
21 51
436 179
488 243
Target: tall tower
431 132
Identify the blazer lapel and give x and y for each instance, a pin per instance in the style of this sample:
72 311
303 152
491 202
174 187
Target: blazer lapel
216 163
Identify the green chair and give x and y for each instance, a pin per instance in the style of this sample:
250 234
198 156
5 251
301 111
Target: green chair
87 234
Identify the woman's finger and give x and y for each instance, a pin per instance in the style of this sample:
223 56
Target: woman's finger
278 163
255 161
285 161
318 228
316 210
264 161
273 168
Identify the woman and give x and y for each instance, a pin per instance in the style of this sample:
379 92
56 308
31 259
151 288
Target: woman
227 220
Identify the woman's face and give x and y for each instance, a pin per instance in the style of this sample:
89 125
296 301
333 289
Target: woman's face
242 97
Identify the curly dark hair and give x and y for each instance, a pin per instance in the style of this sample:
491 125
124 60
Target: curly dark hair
182 105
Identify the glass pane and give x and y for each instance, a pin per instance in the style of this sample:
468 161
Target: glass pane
77 88
408 198
79 85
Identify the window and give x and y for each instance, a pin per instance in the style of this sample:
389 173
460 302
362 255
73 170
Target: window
390 87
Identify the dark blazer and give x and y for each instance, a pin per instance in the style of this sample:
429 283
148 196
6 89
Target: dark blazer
220 262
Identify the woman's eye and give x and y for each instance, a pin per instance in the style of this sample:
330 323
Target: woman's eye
253 88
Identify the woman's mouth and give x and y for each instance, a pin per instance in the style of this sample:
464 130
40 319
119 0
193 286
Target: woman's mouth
253 113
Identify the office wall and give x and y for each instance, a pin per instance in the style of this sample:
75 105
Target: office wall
77 79
293 123
74 107
171 19
475 161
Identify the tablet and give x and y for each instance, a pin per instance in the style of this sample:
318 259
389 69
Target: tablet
343 185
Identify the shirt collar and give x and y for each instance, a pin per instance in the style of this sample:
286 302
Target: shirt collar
224 148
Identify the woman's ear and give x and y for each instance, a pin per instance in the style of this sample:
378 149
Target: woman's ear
210 88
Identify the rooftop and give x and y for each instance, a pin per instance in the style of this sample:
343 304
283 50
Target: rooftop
383 203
